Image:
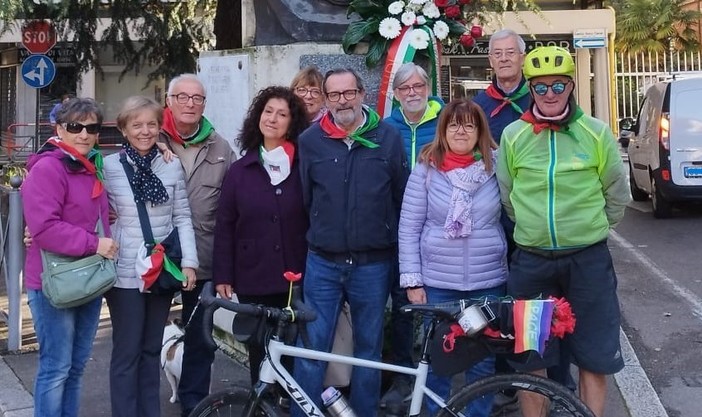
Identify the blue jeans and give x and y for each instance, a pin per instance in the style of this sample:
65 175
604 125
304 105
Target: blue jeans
65 337
365 287
442 385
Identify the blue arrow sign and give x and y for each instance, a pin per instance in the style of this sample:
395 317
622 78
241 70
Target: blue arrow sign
38 71
589 43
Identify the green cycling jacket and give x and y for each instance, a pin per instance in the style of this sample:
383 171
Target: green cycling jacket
563 189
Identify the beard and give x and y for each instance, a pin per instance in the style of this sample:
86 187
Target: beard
345 116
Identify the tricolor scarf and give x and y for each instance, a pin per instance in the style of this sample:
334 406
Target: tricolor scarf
453 160
573 113
278 161
510 99
335 132
169 127
532 324
94 167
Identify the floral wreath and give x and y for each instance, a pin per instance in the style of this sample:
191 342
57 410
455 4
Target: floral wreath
403 28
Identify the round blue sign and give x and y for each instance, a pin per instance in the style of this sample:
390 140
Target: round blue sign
38 71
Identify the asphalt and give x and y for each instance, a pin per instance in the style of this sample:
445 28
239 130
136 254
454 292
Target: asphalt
630 393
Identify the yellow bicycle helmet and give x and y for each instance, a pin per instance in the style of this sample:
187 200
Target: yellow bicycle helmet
548 60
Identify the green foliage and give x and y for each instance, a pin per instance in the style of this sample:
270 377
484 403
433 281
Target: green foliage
162 34
655 26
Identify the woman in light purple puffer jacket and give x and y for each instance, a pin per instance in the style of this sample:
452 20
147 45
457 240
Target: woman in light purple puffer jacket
452 245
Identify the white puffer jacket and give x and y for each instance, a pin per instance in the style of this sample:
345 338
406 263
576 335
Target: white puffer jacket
164 217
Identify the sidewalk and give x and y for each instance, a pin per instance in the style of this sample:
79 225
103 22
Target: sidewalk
17 372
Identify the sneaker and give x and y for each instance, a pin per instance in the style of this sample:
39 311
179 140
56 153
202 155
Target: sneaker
399 393
559 411
504 404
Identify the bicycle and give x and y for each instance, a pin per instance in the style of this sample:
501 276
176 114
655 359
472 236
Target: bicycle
258 401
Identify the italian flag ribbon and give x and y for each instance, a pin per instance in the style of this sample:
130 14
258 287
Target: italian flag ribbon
401 52
153 264
510 99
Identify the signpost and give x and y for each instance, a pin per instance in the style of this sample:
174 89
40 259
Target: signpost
38 70
590 38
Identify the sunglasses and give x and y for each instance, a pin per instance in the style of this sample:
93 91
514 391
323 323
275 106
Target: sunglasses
75 127
541 89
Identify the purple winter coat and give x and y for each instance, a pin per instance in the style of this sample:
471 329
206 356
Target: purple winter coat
260 229
59 211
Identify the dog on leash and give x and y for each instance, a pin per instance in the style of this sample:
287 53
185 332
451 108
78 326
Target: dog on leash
172 355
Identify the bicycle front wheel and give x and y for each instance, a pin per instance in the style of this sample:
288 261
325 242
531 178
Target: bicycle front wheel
231 403
548 397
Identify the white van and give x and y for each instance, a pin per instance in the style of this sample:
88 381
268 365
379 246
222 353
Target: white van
665 145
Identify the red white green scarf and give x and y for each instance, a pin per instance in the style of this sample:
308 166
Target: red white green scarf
94 168
169 127
335 132
573 113
510 99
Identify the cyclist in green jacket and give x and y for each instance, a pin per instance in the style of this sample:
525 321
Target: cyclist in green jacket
563 183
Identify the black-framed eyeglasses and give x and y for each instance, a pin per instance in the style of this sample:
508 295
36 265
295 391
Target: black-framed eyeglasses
313 92
418 88
558 87
453 127
75 127
348 95
182 98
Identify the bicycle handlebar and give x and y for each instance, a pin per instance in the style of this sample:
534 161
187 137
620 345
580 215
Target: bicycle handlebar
209 301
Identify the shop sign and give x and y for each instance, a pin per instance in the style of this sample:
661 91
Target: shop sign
60 54
482 47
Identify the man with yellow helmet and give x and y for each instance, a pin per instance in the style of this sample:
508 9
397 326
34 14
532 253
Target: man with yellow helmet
563 183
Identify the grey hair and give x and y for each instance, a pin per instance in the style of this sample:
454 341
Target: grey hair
507 33
406 71
135 105
77 109
185 77
338 71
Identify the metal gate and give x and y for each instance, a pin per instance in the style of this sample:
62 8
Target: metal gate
636 72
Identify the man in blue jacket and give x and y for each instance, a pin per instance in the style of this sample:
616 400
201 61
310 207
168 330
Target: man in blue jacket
506 99
416 119
353 170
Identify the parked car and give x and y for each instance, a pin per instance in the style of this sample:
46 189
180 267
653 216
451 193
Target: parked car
665 145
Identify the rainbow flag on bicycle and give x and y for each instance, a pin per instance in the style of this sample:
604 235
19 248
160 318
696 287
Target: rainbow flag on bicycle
532 324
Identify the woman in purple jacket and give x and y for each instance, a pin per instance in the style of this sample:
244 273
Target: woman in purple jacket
64 198
451 243
261 220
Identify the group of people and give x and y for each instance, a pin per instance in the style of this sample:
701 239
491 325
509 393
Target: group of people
422 207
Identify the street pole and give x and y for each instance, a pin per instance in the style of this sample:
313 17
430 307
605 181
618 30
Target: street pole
36 125
15 255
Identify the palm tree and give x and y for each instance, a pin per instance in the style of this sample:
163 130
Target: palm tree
656 26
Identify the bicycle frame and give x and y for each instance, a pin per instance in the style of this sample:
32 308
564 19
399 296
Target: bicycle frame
272 371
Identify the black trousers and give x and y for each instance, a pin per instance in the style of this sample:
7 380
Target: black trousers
197 356
137 334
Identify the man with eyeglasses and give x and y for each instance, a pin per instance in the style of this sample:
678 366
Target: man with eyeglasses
416 119
563 183
507 96
353 170
205 157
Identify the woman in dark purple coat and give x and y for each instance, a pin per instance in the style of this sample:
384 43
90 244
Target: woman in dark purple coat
261 220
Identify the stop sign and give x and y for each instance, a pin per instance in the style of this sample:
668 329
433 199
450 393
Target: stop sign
38 36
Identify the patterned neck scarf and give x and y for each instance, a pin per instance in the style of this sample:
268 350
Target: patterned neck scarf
453 160
335 132
170 128
92 163
145 184
465 183
494 92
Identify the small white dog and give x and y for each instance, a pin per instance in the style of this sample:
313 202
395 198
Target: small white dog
172 355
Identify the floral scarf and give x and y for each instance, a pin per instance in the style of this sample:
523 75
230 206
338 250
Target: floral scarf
465 183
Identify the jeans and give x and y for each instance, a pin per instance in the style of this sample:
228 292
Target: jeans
442 385
365 287
195 376
65 337
137 335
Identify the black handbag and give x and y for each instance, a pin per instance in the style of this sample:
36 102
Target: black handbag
166 283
